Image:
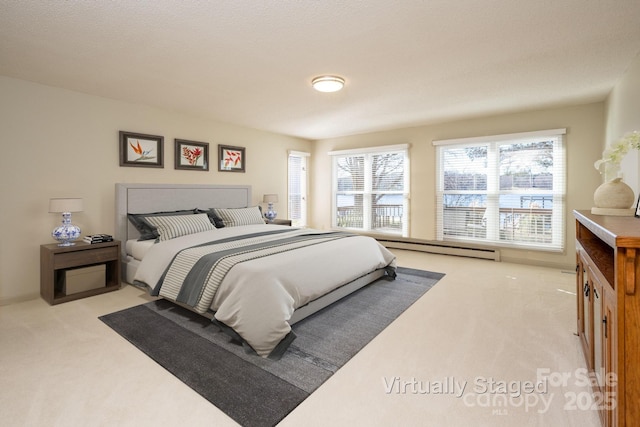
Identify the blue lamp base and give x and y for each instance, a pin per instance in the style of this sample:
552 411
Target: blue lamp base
270 214
67 232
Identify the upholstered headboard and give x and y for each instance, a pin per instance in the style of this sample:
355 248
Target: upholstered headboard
146 198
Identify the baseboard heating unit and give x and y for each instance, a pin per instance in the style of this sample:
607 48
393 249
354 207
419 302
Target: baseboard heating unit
441 248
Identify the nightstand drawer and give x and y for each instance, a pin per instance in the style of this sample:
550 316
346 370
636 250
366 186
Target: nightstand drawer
85 257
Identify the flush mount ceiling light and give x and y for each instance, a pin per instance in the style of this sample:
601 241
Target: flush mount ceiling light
327 83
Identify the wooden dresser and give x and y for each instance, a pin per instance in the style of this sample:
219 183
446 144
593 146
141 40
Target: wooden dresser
608 293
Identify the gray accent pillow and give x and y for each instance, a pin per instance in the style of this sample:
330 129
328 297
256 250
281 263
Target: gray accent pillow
148 231
215 219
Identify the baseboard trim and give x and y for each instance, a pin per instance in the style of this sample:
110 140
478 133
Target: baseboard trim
468 251
15 300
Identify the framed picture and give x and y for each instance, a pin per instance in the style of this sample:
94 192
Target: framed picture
140 150
638 208
231 159
191 155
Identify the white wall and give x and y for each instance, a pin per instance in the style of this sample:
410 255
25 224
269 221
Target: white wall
58 143
623 116
585 131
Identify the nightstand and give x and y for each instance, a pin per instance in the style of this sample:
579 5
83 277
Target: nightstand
281 222
58 263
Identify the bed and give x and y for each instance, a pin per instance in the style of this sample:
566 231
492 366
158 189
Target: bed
209 249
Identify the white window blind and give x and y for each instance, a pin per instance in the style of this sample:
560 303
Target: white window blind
505 189
371 189
297 188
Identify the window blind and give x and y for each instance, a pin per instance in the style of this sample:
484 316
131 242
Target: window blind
297 187
371 189
507 190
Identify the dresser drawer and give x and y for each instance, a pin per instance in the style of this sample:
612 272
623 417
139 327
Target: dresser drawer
86 257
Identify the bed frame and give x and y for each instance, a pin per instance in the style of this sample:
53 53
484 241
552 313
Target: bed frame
144 198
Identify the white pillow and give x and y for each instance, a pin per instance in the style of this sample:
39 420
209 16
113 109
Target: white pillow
240 216
170 227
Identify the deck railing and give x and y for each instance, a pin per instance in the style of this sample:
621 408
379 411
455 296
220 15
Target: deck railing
519 224
382 217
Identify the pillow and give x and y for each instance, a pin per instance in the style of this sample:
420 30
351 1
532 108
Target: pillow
148 231
170 227
240 216
215 219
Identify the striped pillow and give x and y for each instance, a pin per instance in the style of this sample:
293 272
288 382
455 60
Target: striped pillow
170 227
148 231
240 216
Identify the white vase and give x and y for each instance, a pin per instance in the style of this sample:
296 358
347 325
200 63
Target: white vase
614 194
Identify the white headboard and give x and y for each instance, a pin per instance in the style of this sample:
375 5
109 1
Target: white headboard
146 198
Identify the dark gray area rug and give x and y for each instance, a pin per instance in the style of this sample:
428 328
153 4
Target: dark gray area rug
252 390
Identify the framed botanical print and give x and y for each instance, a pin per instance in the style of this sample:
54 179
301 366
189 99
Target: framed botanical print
191 155
231 159
141 150
638 208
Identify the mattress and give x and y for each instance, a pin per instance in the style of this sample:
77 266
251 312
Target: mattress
136 249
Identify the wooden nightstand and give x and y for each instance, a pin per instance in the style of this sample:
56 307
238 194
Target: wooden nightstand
281 222
56 261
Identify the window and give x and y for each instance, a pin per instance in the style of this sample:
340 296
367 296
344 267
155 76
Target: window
505 189
297 191
371 189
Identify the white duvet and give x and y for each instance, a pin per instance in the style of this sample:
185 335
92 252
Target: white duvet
257 298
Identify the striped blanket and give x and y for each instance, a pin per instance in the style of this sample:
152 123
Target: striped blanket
252 278
195 274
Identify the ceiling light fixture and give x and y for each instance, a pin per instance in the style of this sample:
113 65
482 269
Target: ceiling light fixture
327 83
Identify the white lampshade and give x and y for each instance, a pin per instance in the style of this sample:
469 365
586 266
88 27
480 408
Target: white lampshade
65 205
327 83
270 198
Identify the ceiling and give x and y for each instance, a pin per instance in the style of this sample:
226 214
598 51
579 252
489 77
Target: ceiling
250 62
